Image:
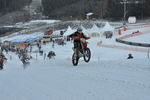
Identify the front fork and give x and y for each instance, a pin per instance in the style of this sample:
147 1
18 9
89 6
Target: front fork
83 48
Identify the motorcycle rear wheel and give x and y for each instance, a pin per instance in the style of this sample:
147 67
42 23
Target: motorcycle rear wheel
87 55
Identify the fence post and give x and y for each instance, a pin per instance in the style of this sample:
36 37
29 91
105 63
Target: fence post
119 32
36 55
124 28
148 53
10 57
98 59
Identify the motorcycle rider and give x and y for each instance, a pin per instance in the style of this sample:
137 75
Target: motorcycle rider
25 58
78 35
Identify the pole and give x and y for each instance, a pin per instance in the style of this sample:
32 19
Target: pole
142 9
124 2
148 53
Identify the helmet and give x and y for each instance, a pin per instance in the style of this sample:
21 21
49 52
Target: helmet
79 29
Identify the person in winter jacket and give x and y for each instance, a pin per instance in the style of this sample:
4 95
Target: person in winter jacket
130 56
1 63
77 36
51 54
2 58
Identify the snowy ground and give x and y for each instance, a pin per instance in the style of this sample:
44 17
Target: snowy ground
140 39
108 76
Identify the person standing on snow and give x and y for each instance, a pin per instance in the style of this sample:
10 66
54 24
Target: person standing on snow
30 49
130 56
2 58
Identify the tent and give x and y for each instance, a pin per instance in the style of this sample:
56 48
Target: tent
85 31
108 30
108 27
94 31
25 41
17 42
32 39
69 31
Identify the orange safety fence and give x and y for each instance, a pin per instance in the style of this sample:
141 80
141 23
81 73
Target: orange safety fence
141 26
124 28
128 36
123 47
119 32
135 27
133 35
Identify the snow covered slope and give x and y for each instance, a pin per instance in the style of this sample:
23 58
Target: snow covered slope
108 76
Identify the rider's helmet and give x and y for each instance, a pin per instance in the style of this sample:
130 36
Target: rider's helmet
79 30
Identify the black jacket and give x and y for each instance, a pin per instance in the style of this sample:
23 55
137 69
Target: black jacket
80 35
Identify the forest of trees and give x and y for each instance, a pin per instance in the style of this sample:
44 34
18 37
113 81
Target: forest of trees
72 9
102 8
138 8
12 5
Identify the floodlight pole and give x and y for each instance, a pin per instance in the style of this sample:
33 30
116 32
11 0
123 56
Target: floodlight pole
124 16
142 8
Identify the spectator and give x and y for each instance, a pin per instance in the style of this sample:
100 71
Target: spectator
130 56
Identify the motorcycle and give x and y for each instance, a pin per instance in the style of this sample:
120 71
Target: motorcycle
84 52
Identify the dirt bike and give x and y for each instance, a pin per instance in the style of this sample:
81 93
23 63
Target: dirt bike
84 52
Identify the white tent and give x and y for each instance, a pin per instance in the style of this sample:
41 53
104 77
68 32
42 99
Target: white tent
108 30
69 31
94 31
108 27
83 29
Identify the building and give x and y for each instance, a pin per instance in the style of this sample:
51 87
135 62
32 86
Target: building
91 16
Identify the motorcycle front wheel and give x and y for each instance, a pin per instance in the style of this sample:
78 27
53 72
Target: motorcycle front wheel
75 59
87 55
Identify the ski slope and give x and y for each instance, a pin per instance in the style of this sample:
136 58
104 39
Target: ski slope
108 76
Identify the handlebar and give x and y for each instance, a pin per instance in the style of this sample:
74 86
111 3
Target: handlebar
78 38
